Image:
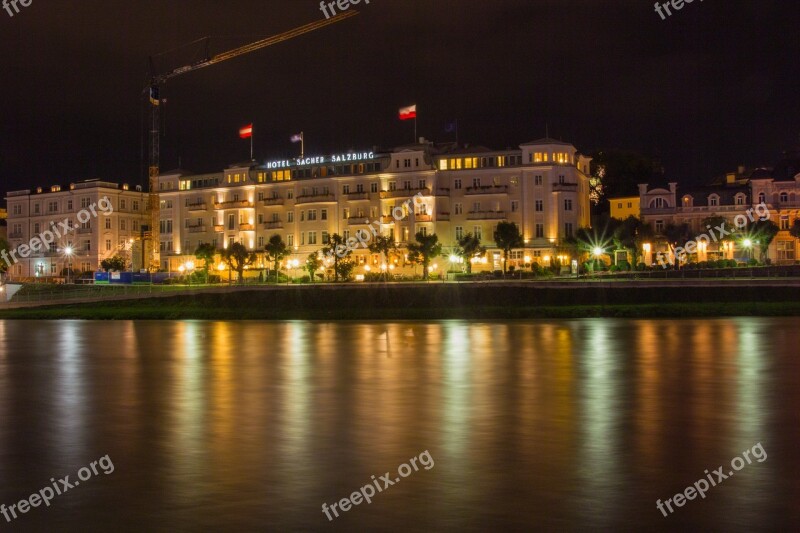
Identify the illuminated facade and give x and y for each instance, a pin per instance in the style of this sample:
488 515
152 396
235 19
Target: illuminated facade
625 207
32 212
542 186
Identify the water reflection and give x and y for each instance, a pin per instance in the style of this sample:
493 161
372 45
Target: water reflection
559 424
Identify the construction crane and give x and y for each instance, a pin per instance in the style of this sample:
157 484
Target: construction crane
154 89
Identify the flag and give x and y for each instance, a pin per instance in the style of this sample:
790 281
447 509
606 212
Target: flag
246 132
297 138
154 95
407 113
451 127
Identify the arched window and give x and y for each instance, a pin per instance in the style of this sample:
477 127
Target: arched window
658 203
740 199
713 200
762 198
688 201
784 197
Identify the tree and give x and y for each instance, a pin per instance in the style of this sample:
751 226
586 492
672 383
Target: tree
385 245
618 173
276 250
507 237
469 246
676 235
338 250
206 253
237 258
794 232
312 265
424 250
115 263
763 232
4 248
631 235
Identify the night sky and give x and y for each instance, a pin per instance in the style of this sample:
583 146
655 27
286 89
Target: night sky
714 85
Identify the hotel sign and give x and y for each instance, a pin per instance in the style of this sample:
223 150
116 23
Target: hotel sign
321 160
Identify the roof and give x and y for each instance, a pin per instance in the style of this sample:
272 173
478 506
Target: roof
546 140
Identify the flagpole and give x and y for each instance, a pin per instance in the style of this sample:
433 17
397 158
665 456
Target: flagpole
415 128
302 145
252 134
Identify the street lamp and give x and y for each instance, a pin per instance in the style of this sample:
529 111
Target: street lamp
68 252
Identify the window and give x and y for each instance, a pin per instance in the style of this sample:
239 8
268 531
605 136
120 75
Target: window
122 204
346 234
346 213
424 231
323 214
36 208
312 215
261 242
108 222
302 216
476 207
325 238
619 205
567 205
514 206
52 207
123 224
135 205
423 184
392 186
476 183
713 200
537 180
659 226
457 183
739 199
345 189
659 203
762 198
84 203
290 216
290 240
784 222
108 245
458 209
312 237
630 205
165 226
231 222
539 206
540 231
784 197
407 185
373 187
18 209
289 194
36 228
459 233
785 250
476 231
568 229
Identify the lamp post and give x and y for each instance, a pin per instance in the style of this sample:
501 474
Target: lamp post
68 252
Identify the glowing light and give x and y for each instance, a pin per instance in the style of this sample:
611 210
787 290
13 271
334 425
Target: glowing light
454 259
527 259
646 247
747 243
598 251
221 267
367 268
190 265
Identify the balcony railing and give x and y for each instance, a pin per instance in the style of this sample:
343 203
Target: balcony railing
84 231
487 189
234 204
423 218
198 206
565 187
362 195
443 216
219 228
357 221
442 191
486 215
404 193
197 228
315 198
247 227
273 201
273 224
17 235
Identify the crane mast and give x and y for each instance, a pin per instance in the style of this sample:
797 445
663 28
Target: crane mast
154 202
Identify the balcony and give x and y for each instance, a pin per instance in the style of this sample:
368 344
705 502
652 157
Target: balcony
277 200
219 228
442 191
404 193
357 195
316 198
487 189
198 206
84 231
358 221
201 228
443 216
234 204
565 187
423 218
486 215
17 235
247 227
273 224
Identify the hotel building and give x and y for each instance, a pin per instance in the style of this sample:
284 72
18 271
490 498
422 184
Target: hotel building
86 244
778 188
542 186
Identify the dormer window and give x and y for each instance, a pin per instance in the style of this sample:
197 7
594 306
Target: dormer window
713 200
688 201
762 198
740 198
658 203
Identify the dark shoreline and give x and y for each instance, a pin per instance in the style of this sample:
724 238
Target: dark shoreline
440 301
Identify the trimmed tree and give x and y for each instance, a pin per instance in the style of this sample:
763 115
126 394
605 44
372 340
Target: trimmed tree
115 263
470 246
206 253
424 250
237 257
312 265
338 250
384 245
507 237
276 250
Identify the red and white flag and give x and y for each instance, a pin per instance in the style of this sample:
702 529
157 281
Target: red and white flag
246 132
407 113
